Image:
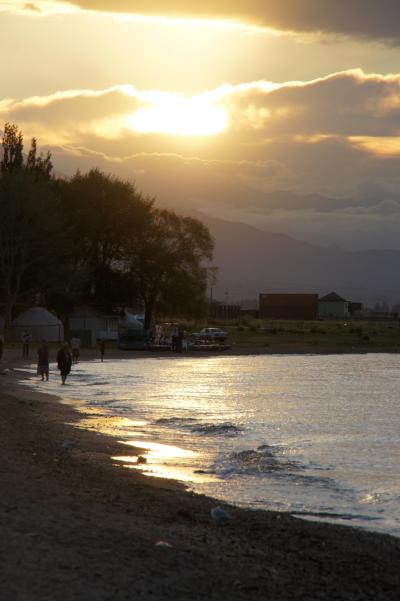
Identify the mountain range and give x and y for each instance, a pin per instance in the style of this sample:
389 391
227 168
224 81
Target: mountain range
251 261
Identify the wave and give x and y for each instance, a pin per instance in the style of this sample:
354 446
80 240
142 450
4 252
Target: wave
217 429
336 516
175 421
195 426
265 459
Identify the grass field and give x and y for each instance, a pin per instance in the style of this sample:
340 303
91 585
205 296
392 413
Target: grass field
324 334
288 335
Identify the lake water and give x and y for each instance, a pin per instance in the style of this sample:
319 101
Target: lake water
314 435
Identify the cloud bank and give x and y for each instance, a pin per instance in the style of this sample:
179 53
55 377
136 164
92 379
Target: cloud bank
318 157
349 103
368 19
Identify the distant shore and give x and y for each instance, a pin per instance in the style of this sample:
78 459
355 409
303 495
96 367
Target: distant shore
75 526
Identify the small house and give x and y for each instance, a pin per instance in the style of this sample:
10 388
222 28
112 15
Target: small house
90 326
333 306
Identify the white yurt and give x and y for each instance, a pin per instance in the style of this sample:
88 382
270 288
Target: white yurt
40 324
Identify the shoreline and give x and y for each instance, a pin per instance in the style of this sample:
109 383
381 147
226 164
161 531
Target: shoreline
86 528
12 356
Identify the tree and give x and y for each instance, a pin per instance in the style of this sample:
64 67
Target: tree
41 166
170 258
102 213
133 251
94 239
27 220
13 146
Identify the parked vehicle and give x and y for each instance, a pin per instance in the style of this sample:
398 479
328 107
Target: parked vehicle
211 334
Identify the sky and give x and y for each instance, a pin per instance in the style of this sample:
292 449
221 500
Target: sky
281 114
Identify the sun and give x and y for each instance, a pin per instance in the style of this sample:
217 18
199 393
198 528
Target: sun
179 116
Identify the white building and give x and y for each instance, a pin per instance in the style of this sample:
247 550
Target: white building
40 324
90 326
333 306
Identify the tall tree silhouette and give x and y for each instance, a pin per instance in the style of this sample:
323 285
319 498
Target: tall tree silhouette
13 146
27 220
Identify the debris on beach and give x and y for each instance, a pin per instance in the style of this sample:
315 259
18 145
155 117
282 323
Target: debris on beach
68 444
163 543
220 516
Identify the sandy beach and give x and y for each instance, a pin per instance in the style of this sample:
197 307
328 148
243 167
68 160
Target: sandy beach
76 526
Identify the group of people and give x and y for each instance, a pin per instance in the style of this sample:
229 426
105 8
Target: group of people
66 356
175 340
64 361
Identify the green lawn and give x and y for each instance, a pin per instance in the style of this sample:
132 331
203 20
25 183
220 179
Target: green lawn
298 334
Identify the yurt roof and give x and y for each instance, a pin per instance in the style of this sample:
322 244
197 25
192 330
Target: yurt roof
36 316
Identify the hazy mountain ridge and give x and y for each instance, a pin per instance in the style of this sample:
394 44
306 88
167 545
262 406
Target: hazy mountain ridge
251 261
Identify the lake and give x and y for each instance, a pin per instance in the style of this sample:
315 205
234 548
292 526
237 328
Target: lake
315 435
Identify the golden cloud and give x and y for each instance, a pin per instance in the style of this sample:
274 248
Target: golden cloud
349 103
360 18
279 136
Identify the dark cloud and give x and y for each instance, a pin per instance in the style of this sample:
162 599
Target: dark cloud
360 18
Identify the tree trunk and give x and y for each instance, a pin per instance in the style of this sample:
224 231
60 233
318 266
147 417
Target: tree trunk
148 314
8 318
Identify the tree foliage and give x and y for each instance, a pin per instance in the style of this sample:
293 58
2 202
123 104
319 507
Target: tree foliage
169 258
102 212
93 239
13 146
29 220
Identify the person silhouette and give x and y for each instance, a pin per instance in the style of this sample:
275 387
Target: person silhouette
43 361
64 361
25 339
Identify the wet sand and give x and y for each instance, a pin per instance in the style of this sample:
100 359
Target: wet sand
74 526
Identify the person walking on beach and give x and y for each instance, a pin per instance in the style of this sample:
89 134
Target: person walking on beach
102 349
25 339
181 334
174 338
64 361
76 349
43 361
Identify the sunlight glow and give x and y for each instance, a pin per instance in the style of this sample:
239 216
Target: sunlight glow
379 146
163 471
202 22
156 455
157 450
172 114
